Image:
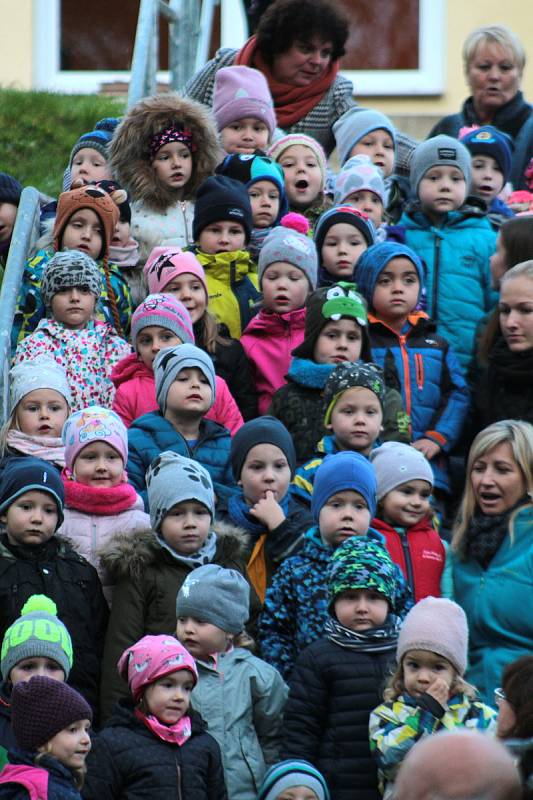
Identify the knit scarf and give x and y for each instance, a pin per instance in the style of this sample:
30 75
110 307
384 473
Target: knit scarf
508 367
205 554
485 534
49 448
175 734
98 500
291 103
239 511
257 240
374 640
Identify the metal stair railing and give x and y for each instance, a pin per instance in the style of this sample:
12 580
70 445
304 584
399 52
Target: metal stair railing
189 33
26 223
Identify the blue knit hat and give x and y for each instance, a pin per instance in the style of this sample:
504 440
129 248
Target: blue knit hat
262 430
489 141
98 139
29 474
291 773
373 261
342 471
250 169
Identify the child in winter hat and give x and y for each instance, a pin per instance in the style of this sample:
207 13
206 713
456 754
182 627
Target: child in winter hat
441 151
85 348
222 228
427 692
341 235
360 184
172 271
263 462
293 774
10 191
491 152
304 165
243 109
366 131
99 502
254 693
405 482
287 273
177 753
89 156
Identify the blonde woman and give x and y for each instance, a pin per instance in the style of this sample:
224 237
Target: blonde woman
492 551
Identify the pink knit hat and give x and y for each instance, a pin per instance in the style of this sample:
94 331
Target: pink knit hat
242 92
438 625
93 424
153 657
166 263
166 311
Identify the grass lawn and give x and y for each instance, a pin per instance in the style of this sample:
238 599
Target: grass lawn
38 130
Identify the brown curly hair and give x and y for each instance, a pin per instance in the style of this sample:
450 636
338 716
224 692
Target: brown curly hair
517 683
287 21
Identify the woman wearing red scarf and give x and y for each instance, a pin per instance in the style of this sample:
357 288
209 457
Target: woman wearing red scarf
297 47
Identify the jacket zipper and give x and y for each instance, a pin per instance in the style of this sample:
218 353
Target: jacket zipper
178 771
436 277
408 562
419 368
183 207
407 373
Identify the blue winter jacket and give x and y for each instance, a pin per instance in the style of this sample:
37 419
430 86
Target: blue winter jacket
433 388
498 602
151 434
296 602
458 283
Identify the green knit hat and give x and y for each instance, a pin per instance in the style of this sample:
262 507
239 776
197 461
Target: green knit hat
37 633
361 563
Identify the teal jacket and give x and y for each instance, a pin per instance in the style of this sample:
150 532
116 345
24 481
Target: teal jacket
498 603
458 281
242 698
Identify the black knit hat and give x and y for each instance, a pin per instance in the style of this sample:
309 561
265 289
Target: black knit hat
10 189
112 187
221 199
27 474
262 430
42 707
347 215
333 303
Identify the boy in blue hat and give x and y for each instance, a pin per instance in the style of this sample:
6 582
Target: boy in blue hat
491 152
342 505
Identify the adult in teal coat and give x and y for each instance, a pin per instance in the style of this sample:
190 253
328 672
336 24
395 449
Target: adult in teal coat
492 552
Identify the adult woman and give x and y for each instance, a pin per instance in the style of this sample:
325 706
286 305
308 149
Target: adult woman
297 47
504 388
515 707
492 552
494 60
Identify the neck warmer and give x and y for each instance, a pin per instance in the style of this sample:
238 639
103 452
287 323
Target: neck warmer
374 640
174 734
49 448
205 554
256 241
291 103
127 256
485 534
510 368
99 500
309 373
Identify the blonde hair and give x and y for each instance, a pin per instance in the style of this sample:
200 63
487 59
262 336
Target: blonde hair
396 687
494 34
78 773
519 435
522 270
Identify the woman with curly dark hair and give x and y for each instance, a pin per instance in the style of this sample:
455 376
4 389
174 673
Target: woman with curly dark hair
515 710
297 47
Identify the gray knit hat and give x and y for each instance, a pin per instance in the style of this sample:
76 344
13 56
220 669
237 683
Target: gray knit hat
442 151
283 243
356 123
68 269
396 463
438 625
215 595
171 360
173 479
37 633
41 372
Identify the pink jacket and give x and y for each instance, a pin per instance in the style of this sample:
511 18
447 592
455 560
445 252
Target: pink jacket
268 341
33 779
135 395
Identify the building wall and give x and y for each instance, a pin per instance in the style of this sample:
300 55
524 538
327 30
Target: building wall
16 43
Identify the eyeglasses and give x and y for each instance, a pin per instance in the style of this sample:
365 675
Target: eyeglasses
499 695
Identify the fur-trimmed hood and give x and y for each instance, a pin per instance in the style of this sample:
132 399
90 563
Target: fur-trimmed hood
129 147
129 555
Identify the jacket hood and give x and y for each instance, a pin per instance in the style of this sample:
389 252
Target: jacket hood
228 267
130 367
414 218
128 556
130 160
153 423
270 323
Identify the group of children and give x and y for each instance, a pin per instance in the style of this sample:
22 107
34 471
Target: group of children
233 404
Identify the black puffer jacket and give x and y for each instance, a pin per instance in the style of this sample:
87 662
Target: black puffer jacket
56 570
332 691
129 762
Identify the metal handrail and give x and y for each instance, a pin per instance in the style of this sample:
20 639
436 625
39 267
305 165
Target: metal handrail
21 240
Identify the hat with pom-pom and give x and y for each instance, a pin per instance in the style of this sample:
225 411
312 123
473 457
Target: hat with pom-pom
289 242
164 264
98 139
37 633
